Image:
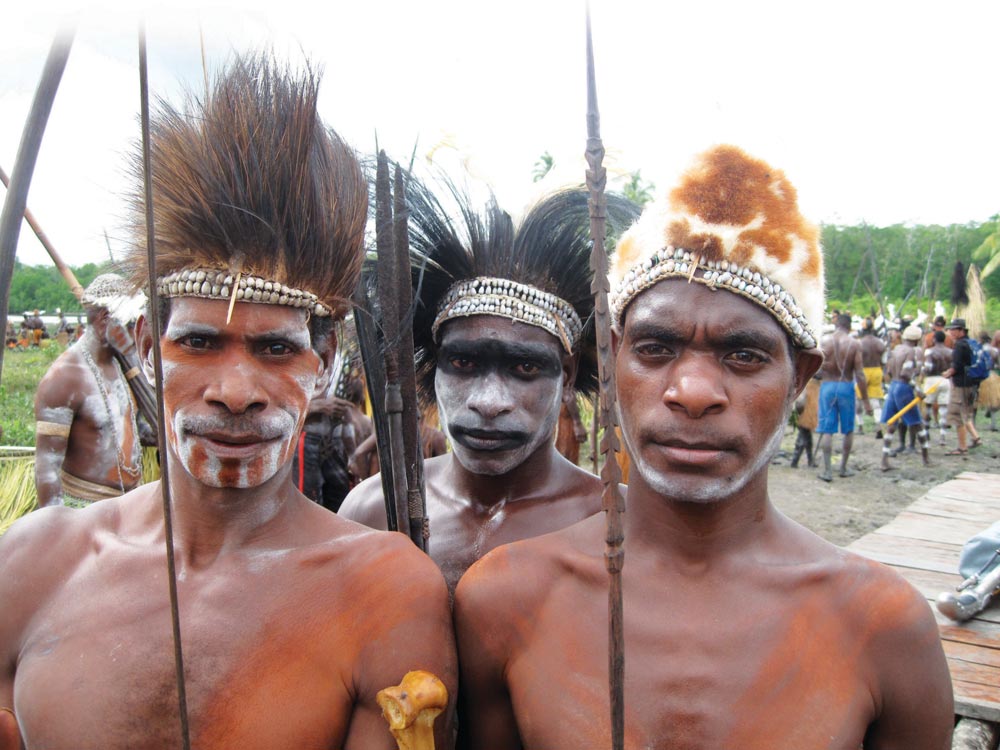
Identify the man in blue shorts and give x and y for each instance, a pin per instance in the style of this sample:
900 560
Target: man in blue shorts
902 392
842 369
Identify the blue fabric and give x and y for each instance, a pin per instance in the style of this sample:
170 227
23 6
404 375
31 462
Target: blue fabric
900 394
836 405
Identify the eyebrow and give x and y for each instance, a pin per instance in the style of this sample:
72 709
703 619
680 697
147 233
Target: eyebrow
732 339
294 335
502 349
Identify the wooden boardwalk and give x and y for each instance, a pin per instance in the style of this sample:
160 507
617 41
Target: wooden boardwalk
923 544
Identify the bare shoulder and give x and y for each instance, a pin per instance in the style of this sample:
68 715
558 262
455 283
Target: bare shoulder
365 504
498 583
64 382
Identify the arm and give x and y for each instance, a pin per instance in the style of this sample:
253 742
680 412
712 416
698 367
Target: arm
860 379
54 419
914 695
408 628
485 707
358 462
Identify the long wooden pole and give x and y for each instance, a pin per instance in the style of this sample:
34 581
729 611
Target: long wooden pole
24 166
154 322
612 500
65 270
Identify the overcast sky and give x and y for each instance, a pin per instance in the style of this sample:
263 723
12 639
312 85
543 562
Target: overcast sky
879 111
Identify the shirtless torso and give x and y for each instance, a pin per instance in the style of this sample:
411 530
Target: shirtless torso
464 526
842 361
800 649
85 392
872 348
281 648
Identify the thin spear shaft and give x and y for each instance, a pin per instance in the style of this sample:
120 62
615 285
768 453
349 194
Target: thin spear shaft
16 201
613 503
154 318
412 454
389 313
43 238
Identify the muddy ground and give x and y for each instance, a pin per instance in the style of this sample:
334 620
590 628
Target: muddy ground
846 509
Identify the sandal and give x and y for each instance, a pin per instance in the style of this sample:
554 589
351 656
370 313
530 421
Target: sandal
957 452
976 443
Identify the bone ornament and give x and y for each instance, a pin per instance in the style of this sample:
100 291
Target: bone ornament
411 707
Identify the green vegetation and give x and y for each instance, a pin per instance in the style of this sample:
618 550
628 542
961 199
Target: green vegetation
43 288
22 370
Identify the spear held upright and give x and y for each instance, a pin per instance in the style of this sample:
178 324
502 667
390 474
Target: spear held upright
612 500
155 328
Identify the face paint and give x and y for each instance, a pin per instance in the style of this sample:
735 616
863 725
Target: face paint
499 391
236 395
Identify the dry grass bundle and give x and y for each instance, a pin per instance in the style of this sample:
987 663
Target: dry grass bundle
17 488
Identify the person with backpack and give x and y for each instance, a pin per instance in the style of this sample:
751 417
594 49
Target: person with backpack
966 356
988 398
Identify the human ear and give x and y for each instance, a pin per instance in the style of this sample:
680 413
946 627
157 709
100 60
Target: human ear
570 363
144 345
806 363
325 348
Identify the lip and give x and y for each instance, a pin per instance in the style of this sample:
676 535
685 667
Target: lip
691 454
234 446
487 440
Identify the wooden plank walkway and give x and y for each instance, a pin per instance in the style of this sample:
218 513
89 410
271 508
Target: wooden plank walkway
923 544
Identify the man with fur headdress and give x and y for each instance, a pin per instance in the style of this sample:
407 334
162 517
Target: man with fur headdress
291 618
502 329
742 629
86 435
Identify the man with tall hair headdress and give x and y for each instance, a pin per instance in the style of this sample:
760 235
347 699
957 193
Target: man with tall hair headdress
741 628
86 434
502 328
291 619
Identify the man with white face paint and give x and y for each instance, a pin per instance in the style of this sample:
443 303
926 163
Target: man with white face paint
502 327
291 618
741 628
86 438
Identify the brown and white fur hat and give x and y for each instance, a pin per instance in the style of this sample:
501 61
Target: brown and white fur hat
731 223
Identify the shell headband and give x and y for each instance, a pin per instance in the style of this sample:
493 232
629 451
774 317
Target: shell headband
511 299
731 223
212 283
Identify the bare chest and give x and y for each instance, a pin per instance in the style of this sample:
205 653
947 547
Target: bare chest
699 675
261 669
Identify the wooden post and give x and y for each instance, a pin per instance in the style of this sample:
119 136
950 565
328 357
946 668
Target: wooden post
27 153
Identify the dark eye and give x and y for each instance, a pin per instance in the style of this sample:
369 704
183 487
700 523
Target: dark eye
747 358
651 349
461 363
195 342
527 368
277 349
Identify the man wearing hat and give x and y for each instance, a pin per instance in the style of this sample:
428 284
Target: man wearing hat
909 354
741 628
962 401
86 437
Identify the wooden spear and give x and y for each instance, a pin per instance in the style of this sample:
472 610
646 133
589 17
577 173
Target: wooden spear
155 328
413 456
65 270
24 165
612 500
389 313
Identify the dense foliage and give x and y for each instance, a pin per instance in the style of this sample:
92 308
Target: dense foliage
43 288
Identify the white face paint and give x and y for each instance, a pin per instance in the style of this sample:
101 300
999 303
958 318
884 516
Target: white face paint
499 391
236 395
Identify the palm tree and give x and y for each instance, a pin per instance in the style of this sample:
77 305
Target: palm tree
988 253
542 167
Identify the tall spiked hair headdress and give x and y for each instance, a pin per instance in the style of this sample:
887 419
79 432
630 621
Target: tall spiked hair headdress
471 262
254 199
731 223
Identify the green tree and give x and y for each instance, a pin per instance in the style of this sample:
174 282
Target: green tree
542 167
638 190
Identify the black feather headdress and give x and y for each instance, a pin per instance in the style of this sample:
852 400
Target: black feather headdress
249 180
549 250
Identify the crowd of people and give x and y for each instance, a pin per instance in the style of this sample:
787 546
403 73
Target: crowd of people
908 380
741 628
